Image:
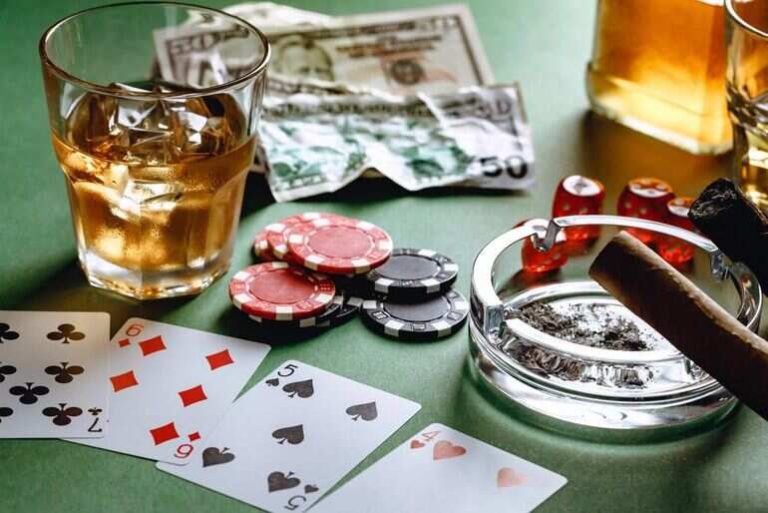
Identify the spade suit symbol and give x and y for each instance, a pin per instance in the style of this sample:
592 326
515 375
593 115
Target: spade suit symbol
365 411
214 456
277 481
292 434
273 382
303 389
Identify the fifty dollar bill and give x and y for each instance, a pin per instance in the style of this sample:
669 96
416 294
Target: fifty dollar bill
474 137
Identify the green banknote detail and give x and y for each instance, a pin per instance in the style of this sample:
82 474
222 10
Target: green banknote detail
317 144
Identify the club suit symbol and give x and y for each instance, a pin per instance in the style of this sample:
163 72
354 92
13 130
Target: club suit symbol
6 370
6 333
365 411
62 415
64 373
302 389
294 435
5 412
66 333
277 481
214 456
28 394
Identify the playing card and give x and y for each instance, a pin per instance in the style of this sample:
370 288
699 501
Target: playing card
169 385
53 370
291 437
441 469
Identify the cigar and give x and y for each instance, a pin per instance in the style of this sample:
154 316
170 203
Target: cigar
724 214
694 323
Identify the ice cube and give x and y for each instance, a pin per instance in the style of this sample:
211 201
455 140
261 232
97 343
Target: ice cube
197 133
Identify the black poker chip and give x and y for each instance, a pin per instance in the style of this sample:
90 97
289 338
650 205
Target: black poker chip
349 308
435 318
413 275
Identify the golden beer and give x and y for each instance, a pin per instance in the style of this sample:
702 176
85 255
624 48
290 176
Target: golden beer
658 66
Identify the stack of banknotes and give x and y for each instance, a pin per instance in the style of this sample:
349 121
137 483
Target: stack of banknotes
408 95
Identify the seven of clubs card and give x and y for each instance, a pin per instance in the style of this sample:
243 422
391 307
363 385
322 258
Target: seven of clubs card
53 372
289 439
441 469
168 386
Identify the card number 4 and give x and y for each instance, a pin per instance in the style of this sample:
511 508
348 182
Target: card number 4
424 438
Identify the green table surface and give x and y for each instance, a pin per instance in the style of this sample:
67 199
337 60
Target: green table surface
544 44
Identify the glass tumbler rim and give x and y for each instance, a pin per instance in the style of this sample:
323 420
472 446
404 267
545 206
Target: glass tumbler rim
258 69
736 18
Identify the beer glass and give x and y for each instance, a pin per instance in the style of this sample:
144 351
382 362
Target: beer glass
747 91
658 66
153 110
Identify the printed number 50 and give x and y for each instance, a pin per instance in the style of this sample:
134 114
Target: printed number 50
513 166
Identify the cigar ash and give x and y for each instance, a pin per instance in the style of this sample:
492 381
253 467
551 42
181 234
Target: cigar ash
605 325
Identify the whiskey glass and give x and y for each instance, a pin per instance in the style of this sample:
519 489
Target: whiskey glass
153 121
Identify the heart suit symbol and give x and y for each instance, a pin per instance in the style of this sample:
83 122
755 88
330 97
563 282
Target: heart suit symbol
507 477
444 450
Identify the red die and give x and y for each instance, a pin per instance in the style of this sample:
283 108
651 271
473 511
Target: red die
579 195
535 261
672 249
645 198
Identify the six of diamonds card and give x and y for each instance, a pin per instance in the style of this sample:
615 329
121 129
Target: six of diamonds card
169 386
289 439
53 374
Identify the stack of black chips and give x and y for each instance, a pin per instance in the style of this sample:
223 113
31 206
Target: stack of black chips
410 297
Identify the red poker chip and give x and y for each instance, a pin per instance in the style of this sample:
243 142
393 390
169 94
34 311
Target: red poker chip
279 291
261 247
275 233
339 245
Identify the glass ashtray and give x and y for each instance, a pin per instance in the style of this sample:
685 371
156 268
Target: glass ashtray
568 356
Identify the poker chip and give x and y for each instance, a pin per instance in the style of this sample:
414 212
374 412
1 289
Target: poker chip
342 309
307 322
261 247
280 291
349 309
275 233
436 318
339 245
413 274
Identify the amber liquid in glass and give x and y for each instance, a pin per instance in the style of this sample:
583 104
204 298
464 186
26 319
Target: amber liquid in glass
155 189
658 66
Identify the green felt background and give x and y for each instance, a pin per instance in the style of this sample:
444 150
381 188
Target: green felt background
545 44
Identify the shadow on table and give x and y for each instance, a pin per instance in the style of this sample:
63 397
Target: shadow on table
362 190
66 289
614 154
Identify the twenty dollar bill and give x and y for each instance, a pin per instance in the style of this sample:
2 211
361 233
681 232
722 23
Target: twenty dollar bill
430 50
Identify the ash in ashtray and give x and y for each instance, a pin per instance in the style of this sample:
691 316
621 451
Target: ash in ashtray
594 325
